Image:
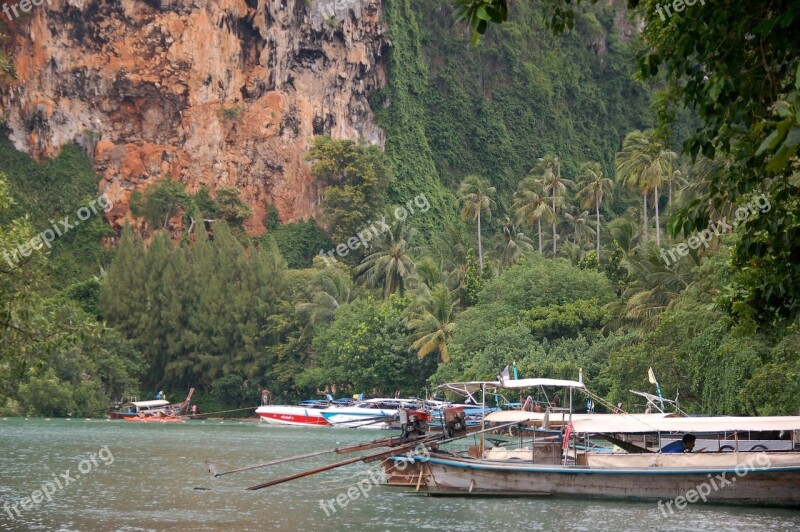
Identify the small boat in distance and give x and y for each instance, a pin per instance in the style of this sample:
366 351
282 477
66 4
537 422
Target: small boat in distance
150 408
155 418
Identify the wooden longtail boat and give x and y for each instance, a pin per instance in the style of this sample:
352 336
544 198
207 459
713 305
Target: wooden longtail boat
156 418
633 469
151 408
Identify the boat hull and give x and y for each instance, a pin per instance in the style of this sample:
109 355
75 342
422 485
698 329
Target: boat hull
291 415
772 486
361 418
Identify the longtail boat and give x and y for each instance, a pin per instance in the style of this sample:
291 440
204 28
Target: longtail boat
724 466
151 408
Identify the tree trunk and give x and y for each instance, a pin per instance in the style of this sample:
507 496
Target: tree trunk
669 200
554 222
480 247
658 222
597 224
645 222
539 223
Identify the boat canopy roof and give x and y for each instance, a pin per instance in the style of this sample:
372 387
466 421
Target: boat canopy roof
466 388
643 423
521 416
531 383
146 404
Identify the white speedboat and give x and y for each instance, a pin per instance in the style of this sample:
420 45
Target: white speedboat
369 414
308 413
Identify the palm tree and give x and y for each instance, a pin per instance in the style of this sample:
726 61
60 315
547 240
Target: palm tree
653 289
675 176
554 186
531 207
626 232
450 247
331 289
390 263
514 243
632 164
434 323
475 194
578 225
596 189
643 163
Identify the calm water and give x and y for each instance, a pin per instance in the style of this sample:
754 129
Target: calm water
152 477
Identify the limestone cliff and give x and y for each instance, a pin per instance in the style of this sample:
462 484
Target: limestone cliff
212 92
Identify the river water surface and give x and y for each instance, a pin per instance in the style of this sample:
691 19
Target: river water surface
153 477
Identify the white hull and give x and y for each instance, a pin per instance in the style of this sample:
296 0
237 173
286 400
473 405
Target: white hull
291 415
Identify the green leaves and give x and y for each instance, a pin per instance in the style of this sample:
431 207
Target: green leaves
784 139
479 13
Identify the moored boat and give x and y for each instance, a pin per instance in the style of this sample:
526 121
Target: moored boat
369 414
721 466
133 409
155 418
306 415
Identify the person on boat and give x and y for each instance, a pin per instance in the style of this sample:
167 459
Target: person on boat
686 444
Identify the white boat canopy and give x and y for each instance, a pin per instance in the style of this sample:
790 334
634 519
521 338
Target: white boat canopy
643 423
467 388
531 383
521 416
148 404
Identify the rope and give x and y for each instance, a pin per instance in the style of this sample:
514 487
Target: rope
226 411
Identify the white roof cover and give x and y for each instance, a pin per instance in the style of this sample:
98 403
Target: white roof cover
141 404
467 387
530 383
521 416
639 423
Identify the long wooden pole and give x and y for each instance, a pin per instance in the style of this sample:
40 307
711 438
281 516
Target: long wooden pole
383 442
373 456
328 467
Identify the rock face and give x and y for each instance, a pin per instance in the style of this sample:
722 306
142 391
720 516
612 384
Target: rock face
211 92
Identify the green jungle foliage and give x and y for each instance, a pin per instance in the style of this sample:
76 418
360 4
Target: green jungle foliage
46 193
55 358
300 242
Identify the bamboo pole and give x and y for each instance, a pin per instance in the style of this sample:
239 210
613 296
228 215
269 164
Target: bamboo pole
328 467
384 442
374 456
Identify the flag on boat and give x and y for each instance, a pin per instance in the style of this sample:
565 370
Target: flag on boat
651 376
505 374
567 434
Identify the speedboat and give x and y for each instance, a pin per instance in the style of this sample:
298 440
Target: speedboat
369 414
307 413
